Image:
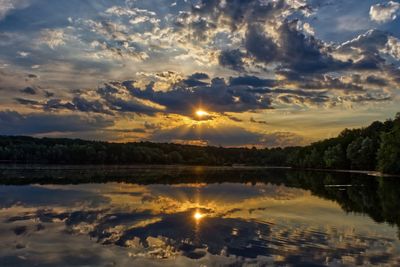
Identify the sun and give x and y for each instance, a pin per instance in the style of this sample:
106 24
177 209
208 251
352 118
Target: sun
197 216
201 113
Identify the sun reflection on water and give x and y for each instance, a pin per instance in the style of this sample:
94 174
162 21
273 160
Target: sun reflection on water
198 216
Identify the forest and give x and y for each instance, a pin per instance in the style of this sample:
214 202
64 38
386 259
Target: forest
376 147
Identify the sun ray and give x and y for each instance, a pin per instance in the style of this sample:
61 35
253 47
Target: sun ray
201 113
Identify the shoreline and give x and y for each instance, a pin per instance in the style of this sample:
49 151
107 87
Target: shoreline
28 166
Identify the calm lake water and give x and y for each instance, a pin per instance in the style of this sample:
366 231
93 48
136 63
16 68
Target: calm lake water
193 216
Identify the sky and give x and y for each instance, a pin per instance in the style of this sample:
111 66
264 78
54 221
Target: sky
261 73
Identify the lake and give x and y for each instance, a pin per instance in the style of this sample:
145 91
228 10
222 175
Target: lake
196 216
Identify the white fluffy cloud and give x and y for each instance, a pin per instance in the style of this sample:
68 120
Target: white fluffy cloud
393 47
53 38
384 12
7 5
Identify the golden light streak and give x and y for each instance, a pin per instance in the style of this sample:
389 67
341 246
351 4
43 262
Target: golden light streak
198 216
201 113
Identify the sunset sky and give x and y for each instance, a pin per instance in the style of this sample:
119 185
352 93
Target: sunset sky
229 72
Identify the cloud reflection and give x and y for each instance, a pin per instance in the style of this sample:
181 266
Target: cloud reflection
239 223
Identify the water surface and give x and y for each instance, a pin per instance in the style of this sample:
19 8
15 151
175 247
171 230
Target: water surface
193 216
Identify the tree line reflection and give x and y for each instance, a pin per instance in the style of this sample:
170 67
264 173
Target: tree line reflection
377 197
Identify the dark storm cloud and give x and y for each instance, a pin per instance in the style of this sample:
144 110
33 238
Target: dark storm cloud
48 94
26 102
196 79
216 96
133 105
239 94
258 121
369 61
233 118
251 81
14 123
232 59
28 90
260 46
84 105
375 80
58 104
296 52
371 41
293 52
326 82
304 54
193 82
199 76
77 104
115 102
289 48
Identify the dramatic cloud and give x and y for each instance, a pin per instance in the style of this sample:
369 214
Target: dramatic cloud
14 123
232 59
149 65
385 12
226 136
393 47
29 91
217 96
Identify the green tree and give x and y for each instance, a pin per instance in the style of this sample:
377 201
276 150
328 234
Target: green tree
361 153
175 157
334 157
389 152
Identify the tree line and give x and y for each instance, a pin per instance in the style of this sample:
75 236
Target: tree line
376 147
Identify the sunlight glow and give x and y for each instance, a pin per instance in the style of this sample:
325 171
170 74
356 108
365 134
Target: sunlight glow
197 216
201 113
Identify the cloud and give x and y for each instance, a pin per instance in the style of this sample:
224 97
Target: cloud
53 38
251 81
27 102
385 12
240 94
199 76
6 6
118 98
23 54
48 94
216 97
393 47
304 54
15 123
260 46
375 80
258 121
28 90
222 135
151 58
225 135
371 41
232 59
84 105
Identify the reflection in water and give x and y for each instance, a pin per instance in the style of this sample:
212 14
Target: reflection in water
198 216
208 217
